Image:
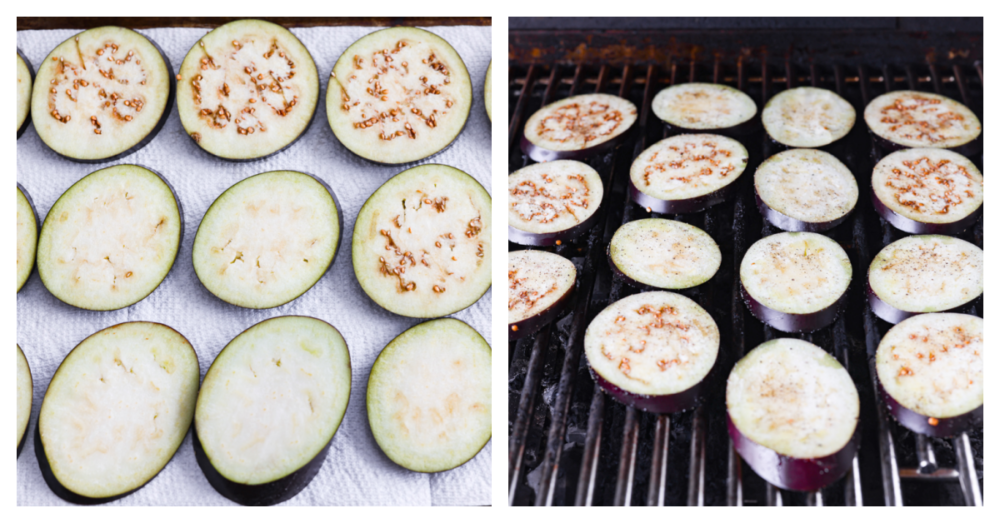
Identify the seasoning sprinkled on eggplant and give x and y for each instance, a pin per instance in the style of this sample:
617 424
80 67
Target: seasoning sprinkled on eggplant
552 201
807 117
805 190
918 119
663 254
539 289
577 127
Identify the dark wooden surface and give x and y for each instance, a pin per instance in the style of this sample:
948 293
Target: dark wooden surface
25 23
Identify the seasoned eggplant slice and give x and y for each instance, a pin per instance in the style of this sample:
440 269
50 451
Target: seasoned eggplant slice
921 274
25 392
807 117
552 202
27 236
421 245
110 239
653 351
805 190
101 95
663 254
429 396
687 173
25 75
918 119
795 281
698 107
577 127
793 414
398 95
268 239
269 408
930 372
540 287
248 89
488 91
928 191
116 411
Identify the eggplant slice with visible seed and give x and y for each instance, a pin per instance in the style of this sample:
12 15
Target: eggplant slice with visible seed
578 127
552 202
422 242
805 190
488 91
269 407
540 286
248 90
699 108
116 411
25 392
110 239
807 117
900 119
398 95
25 76
27 236
102 95
429 396
268 239
655 254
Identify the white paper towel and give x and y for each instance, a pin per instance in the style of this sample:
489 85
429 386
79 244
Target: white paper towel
356 471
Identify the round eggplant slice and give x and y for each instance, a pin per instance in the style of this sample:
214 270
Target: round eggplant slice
421 245
653 351
795 281
663 254
540 287
928 191
110 239
101 95
698 107
687 173
398 95
248 89
25 75
919 274
807 117
25 391
805 190
552 202
27 236
488 91
269 408
268 239
930 372
916 119
793 414
116 411
577 127
429 396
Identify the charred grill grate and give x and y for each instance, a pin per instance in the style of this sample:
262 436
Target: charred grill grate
569 444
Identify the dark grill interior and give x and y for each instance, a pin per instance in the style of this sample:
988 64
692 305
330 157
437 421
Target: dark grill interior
571 445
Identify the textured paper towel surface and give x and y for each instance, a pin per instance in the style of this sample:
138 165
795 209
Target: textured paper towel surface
356 472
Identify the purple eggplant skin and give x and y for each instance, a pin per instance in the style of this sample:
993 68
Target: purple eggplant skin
787 223
921 424
689 205
38 232
661 404
968 149
787 322
530 326
546 239
794 473
541 154
917 227
891 314
31 70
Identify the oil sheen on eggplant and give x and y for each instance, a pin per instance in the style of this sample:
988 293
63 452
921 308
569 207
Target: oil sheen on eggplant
805 190
540 285
655 253
807 117
552 202
701 107
577 127
920 119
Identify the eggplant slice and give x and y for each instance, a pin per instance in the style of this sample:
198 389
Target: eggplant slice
269 408
116 411
422 242
928 191
930 372
110 239
928 273
793 414
687 173
795 281
429 396
27 236
398 95
25 76
917 119
268 239
102 94
700 107
805 190
653 351
807 117
488 91
663 254
552 202
577 127
540 286
25 392
248 89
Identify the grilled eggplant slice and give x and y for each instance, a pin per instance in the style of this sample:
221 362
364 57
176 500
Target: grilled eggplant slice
110 239
25 392
25 76
269 408
577 127
793 414
421 245
268 239
928 191
488 91
699 108
116 411
928 273
654 351
901 119
248 90
101 95
398 95
27 236
663 254
807 117
540 286
429 396
552 202
930 373
805 190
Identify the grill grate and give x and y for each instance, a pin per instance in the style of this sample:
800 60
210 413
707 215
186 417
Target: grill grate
569 444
